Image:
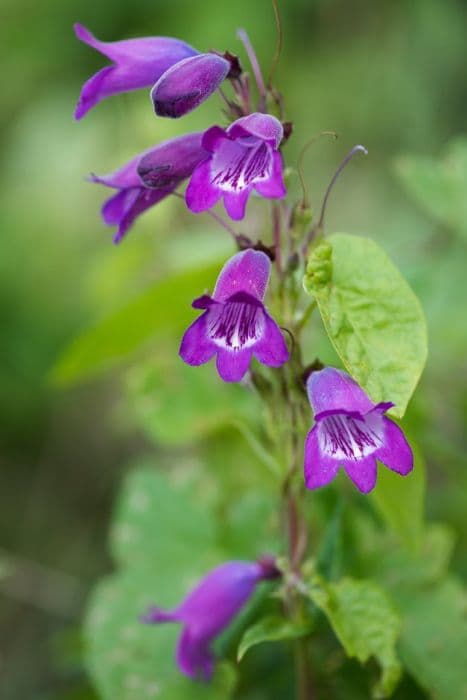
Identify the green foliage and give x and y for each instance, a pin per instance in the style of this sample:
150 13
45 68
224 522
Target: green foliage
365 623
271 629
149 315
401 502
371 315
127 659
439 186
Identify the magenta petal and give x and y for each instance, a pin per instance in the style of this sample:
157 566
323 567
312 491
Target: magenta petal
194 657
247 271
196 347
362 472
332 389
122 178
144 200
99 86
272 349
232 365
115 208
235 203
188 83
171 161
396 452
274 187
200 194
262 126
212 138
319 468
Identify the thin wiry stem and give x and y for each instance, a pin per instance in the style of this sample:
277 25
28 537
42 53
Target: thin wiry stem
278 51
305 201
244 38
214 216
347 159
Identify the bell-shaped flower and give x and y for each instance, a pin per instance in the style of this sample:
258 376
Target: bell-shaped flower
209 608
137 63
188 83
164 167
235 325
243 158
350 431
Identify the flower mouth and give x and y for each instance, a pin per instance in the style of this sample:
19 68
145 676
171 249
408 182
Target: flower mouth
238 164
237 323
350 435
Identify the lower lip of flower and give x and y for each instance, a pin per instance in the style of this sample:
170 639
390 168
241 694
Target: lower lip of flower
235 325
345 437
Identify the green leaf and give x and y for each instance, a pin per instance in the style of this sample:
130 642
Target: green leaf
371 315
271 629
176 403
164 308
164 540
434 639
365 623
401 502
439 186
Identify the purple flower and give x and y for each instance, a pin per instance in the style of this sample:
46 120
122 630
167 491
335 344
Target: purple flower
188 83
138 63
350 430
164 167
235 324
242 158
209 608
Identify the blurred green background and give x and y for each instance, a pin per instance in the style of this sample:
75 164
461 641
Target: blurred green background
388 74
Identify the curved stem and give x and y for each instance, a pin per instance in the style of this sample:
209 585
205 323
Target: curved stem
277 54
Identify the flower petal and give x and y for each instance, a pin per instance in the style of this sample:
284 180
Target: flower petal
272 349
115 208
274 187
362 472
262 126
319 468
235 203
188 83
145 199
247 271
194 657
196 347
232 365
200 193
332 389
396 452
171 161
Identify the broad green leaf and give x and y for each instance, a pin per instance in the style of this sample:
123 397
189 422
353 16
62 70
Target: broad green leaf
164 308
176 403
439 186
434 638
164 539
401 502
365 623
371 315
271 629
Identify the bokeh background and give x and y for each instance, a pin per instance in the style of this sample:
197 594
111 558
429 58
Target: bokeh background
390 75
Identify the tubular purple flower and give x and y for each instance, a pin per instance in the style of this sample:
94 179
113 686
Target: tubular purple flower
235 325
350 431
243 158
209 608
171 161
188 83
138 63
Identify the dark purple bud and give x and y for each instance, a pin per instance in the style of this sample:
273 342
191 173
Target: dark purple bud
172 161
188 83
136 63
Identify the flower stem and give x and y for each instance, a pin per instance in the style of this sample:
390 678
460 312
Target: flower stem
244 38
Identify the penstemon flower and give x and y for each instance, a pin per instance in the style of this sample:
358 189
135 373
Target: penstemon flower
241 159
163 168
209 608
350 430
188 83
235 325
138 63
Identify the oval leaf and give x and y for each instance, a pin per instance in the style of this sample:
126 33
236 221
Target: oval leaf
371 315
271 629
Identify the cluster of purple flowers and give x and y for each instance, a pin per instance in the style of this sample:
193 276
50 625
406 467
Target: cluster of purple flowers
349 430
